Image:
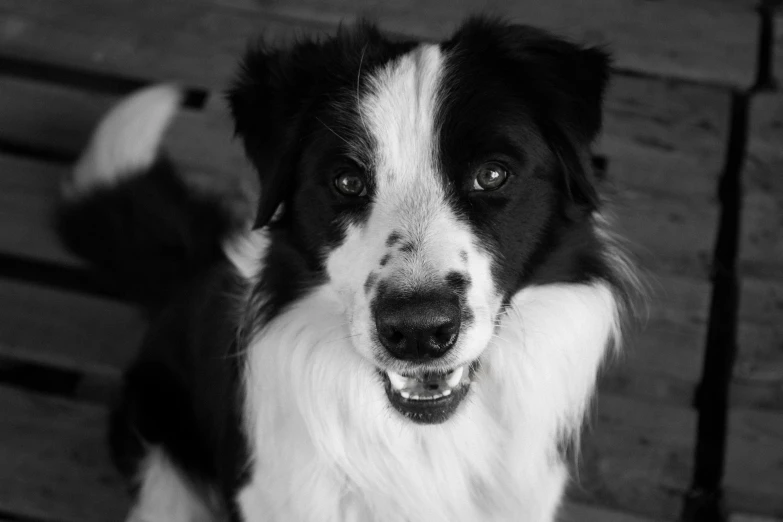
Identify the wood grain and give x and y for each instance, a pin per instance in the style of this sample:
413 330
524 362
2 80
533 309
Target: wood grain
754 463
638 458
584 513
55 462
753 481
674 330
193 43
758 372
761 249
28 198
752 518
67 330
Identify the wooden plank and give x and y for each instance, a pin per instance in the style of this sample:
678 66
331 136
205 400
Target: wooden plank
753 480
668 236
666 138
752 518
194 43
55 461
136 37
198 139
651 37
638 458
777 43
761 246
583 513
674 331
67 330
758 372
28 200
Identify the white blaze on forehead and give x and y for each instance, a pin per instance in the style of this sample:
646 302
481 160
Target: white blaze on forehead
399 112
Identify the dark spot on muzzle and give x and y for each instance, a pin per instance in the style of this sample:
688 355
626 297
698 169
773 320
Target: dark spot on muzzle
371 279
458 282
393 238
408 247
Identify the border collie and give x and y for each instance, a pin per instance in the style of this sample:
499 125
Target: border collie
410 323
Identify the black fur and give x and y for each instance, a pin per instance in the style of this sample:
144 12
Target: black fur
149 232
531 101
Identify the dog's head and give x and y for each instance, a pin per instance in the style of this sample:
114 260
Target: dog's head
425 184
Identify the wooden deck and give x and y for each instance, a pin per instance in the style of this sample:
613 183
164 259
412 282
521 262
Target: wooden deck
689 420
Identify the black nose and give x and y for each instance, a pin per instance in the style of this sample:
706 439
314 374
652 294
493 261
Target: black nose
420 327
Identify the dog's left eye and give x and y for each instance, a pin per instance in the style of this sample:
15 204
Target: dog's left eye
350 184
490 176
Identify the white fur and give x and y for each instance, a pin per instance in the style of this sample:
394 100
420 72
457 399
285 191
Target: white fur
327 446
126 141
165 495
245 251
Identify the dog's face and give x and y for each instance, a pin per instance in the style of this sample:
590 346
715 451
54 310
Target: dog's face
426 185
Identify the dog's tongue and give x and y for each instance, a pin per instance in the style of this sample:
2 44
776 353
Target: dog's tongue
428 385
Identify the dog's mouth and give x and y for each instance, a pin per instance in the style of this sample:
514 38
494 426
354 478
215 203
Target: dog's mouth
428 398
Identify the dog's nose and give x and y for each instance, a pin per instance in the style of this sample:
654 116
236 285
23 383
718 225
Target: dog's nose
418 328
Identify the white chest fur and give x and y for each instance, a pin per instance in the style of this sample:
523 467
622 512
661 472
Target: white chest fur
327 447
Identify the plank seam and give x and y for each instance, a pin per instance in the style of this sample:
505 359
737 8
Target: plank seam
704 503
765 75
195 97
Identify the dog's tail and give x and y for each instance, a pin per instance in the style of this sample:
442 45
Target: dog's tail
127 209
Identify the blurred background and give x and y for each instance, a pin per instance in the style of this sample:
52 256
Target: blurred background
689 422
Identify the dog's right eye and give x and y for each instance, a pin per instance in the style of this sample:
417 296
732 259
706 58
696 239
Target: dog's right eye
350 184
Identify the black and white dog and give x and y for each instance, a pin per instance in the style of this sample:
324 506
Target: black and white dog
412 329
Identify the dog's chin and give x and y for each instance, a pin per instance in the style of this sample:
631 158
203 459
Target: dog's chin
428 397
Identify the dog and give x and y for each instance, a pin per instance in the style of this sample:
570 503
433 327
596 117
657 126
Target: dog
409 324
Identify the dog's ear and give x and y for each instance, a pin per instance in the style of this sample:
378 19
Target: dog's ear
564 81
273 93
267 101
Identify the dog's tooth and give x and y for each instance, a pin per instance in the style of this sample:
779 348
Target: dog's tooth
455 377
445 393
405 395
415 397
397 381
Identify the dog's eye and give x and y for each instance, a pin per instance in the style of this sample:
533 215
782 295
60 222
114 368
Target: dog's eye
350 184
490 176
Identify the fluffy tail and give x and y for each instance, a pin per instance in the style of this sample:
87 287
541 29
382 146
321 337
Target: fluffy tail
126 209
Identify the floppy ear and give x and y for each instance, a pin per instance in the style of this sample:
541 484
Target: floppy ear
267 101
565 83
273 93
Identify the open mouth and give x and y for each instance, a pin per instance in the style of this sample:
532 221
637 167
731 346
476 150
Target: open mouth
428 398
